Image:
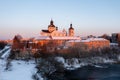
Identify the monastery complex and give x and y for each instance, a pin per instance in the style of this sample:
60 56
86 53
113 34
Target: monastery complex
52 39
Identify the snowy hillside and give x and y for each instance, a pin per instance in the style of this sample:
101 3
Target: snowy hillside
19 70
5 48
6 54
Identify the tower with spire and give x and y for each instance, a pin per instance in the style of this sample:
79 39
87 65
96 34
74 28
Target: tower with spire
53 31
51 27
71 30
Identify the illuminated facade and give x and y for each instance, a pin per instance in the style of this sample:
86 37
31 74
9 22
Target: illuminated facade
53 39
53 31
91 43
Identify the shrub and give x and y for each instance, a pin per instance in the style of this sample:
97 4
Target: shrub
48 66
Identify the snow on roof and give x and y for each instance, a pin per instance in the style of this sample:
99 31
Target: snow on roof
97 39
67 37
42 37
85 40
94 39
56 38
74 41
89 40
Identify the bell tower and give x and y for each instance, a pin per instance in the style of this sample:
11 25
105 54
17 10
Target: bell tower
51 27
71 30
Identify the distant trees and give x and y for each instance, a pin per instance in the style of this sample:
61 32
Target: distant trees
115 38
90 36
106 36
2 44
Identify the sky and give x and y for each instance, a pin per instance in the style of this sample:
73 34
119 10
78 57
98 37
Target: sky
29 17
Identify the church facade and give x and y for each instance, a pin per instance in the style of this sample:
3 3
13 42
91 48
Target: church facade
53 31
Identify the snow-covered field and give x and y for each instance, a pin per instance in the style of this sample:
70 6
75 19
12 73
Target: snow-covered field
6 54
19 70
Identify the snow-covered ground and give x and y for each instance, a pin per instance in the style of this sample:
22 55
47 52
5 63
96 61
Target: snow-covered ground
6 54
19 70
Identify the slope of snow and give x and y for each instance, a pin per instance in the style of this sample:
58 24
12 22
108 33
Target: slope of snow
6 54
5 48
20 70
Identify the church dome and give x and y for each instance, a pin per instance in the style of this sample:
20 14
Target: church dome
51 24
71 27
